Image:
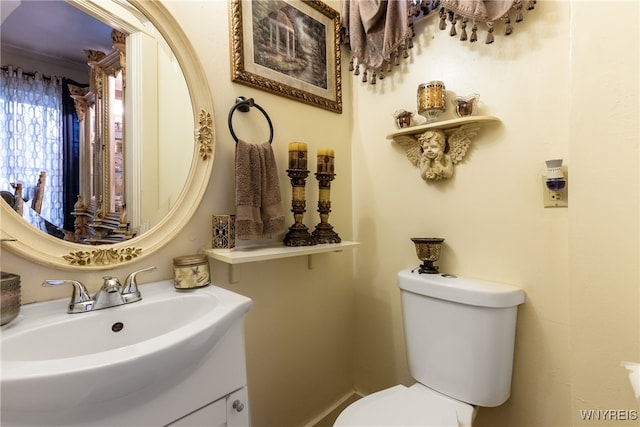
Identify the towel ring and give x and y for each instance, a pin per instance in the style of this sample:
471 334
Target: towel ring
244 105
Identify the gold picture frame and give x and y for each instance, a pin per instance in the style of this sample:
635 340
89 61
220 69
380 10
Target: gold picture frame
288 47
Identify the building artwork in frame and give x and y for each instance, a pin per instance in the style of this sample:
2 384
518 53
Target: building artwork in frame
288 47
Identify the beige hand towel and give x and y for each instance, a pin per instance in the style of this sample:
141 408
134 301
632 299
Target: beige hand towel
259 213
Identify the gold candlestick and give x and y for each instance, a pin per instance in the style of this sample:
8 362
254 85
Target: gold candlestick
298 234
324 232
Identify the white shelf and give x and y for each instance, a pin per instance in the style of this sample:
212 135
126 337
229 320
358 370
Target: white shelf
255 253
443 125
241 255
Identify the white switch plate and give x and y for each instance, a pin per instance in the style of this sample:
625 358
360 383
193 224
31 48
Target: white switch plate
555 199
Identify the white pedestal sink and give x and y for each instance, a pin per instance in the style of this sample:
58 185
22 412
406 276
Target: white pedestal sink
150 363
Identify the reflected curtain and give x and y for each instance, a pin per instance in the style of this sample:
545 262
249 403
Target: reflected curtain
71 153
31 136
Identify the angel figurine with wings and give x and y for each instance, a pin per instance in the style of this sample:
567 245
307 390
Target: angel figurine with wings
435 153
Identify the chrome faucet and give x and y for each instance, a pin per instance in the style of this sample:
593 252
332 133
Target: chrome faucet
111 294
81 301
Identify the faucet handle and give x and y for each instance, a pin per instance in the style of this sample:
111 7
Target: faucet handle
130 291
80 299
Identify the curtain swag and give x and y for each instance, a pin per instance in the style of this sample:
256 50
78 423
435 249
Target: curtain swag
379 32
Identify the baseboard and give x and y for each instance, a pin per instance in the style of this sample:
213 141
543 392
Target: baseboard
332 408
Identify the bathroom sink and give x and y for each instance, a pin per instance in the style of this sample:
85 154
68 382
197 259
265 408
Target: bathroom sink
53 360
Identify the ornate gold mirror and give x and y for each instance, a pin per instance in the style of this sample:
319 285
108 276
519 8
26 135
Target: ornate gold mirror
152 142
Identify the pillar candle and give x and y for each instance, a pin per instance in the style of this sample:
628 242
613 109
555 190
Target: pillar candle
326 158
297 155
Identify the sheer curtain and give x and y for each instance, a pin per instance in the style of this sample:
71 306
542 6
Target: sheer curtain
31 136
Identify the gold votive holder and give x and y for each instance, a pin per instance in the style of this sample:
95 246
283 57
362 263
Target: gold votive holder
428 251
432 100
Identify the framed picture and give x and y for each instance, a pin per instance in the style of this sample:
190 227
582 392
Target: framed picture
288 47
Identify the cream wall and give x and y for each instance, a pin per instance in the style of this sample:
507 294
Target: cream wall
579 266
604 291
564 85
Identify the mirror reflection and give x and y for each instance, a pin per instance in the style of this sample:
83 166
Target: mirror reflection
92 152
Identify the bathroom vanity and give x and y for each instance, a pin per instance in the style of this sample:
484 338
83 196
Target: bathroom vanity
173 358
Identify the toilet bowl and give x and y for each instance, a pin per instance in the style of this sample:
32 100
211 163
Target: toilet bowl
460 336
407 406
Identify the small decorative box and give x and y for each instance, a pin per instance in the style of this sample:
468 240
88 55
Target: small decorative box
224 231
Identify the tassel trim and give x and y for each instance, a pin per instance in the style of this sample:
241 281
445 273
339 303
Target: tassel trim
515 13
452 18
372 75
463 30
443 19
489 38
508 29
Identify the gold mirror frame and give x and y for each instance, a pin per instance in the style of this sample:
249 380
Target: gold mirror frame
30 243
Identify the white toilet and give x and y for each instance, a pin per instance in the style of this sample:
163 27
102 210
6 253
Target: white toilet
460 335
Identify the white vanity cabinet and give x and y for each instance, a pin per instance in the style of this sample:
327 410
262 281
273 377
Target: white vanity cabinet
230 411
200 394
214 394
202 382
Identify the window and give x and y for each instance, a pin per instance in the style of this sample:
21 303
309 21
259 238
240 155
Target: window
31 137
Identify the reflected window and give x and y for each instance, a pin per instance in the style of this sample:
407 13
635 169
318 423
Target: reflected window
31 138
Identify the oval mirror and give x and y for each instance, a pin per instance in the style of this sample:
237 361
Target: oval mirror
154 140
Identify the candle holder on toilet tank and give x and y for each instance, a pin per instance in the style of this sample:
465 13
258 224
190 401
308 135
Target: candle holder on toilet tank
324 232
428 251
298 234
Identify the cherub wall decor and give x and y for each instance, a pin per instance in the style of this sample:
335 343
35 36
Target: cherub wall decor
436 151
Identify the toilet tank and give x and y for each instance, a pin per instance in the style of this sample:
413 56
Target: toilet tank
460 335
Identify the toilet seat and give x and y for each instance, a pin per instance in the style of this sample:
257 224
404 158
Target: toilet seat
403 406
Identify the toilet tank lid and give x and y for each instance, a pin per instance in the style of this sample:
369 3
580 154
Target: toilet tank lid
461 290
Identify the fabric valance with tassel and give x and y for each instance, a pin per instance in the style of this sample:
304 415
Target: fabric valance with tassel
485 12
379 32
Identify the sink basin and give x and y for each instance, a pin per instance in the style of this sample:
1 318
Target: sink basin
53 360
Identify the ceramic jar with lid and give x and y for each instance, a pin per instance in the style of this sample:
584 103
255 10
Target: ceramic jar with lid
191 271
